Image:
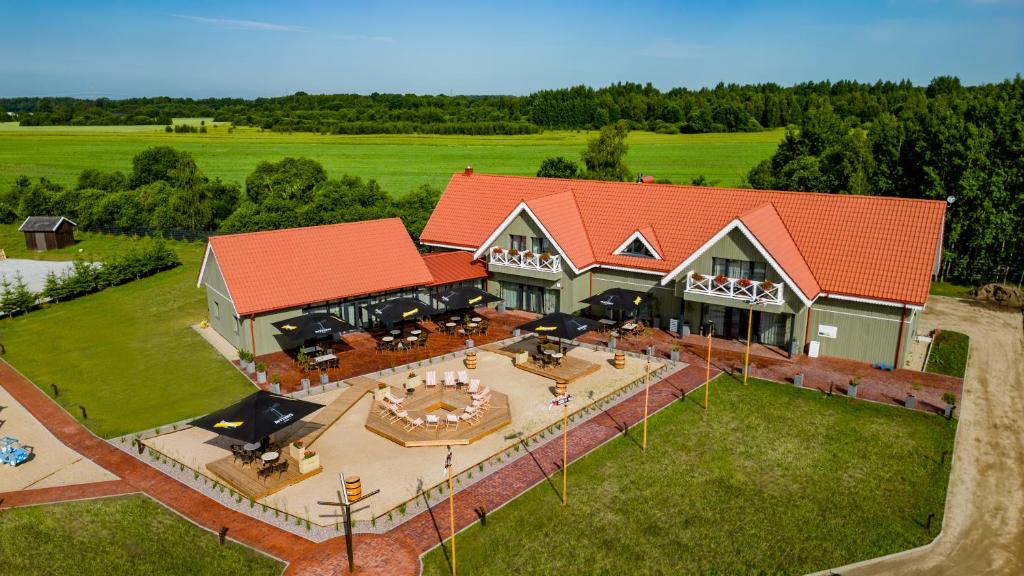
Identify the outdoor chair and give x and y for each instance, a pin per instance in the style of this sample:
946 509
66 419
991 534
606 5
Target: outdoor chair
469 417
449 379
474 386
432 422
385 408
394 399
431 379
281 468
463 377
451 422
412 424
397 415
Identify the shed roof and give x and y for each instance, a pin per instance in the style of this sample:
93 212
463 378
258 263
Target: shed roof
43 223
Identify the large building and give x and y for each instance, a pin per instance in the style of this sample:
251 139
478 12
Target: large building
829 274
258 278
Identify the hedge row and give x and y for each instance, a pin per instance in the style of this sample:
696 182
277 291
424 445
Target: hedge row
143 259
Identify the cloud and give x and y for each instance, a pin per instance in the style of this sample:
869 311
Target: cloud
673 50
242 24
364 38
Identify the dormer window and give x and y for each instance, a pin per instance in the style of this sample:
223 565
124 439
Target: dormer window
639 245
638 249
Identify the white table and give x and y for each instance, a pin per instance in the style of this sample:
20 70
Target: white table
325 358
607 321
630 326
477 319
251 446
388 339
416 332
411 339
395 332
308 349
455 318
270 456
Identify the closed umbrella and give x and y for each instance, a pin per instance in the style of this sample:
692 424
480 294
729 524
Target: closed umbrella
313 326
256 416
461 297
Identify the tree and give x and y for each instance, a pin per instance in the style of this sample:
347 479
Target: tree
558 167
416 207
603 156
162 163
289 179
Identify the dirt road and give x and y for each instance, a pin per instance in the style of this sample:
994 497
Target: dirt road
983 530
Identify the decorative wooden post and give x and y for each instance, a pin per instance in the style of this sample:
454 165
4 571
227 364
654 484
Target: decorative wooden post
746 359
451 504
565 452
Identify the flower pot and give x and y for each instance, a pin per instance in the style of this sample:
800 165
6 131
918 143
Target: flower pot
501 307
611 343
851 391
324 378
275 388
798 380
674 355
380 393
296 452
910 402
307 465
948 410
469 342
250 367
516 332
261 377
650 350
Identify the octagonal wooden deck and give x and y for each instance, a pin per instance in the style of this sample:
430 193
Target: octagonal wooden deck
440 402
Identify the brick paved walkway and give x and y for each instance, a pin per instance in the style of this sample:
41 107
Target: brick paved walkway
54 494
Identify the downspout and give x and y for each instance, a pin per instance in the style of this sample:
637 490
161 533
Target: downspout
899 339
807 329
252 333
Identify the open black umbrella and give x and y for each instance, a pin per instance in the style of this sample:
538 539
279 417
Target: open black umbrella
620 299
561 325
399 309
256 416
312 326
465 297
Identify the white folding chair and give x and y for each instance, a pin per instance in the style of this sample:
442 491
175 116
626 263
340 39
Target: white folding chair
412 424
474 386
449 379
432 422
431 379
451 422
463 377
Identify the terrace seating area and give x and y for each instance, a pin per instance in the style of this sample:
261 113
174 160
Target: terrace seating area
259 471
364 352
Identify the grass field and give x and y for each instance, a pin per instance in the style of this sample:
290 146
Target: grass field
399 162
949 289
127 535
127 353
773 480
949 354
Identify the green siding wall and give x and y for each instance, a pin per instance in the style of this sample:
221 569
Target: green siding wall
865 332
217 298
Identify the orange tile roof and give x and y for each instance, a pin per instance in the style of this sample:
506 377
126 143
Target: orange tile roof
279 269
868 246
769 230
455 266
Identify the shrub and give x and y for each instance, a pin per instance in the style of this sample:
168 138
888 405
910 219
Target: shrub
949 398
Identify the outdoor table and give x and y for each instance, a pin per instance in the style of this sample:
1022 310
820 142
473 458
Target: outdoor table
308 349
477 319
630 326
270 456
411 339
455 318
325 358
251 446
557 357
416 332
607 321
395 332
388 339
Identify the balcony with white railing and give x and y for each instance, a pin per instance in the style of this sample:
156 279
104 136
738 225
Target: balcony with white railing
526 260
766 292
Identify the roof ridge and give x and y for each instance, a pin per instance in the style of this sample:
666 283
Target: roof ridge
583 224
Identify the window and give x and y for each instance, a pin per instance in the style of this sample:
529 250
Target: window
637 248
216 310
540 245
517 242
738 269
235 326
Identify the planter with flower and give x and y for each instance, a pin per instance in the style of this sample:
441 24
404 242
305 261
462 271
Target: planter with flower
261 373
310 461
767 285
674 353
545 256
950 399
513 252
721 280
744 282
697 277
296 449
497 250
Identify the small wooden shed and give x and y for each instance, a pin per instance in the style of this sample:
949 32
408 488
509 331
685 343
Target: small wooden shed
48 232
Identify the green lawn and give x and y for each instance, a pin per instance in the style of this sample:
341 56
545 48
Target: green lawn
127 353
772 480
949 354
126 535
949 289
399 162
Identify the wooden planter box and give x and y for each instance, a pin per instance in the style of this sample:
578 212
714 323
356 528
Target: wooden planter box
307 465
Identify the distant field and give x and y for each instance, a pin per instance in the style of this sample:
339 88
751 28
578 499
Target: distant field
399 162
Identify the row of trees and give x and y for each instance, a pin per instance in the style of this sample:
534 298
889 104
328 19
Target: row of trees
724 108
603 158
957 144
166 191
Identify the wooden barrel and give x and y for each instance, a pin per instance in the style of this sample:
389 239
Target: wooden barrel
353 488
471 360
561 388
620 359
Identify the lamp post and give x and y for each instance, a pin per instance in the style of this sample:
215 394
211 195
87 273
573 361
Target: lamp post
563 401
451 504
346 504
750 327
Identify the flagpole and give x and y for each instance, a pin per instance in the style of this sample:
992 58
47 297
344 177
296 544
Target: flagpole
707 375
451 505
746 359
647 392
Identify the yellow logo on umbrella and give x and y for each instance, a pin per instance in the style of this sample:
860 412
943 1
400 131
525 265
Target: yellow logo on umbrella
475 300
223 424
410 312
545 328
289 327
637 301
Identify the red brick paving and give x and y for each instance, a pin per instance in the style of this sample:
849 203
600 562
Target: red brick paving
35 496
397 552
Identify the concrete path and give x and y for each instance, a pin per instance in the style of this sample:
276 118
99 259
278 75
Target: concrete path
983 529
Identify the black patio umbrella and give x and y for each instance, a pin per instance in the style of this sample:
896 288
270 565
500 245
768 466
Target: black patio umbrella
465 297
399 309
561 325
256 416
312 326
620 299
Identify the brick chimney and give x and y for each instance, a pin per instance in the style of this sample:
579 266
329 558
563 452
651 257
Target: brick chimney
468 171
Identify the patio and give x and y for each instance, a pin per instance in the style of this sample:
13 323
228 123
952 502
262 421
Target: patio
358 352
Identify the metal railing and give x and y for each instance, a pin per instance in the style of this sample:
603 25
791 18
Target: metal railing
735 288
527 260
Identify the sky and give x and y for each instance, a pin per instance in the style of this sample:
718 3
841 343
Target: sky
248 49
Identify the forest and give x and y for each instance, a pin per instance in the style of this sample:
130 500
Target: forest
723 108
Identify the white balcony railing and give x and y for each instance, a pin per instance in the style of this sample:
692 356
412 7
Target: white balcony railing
735 288
526 260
